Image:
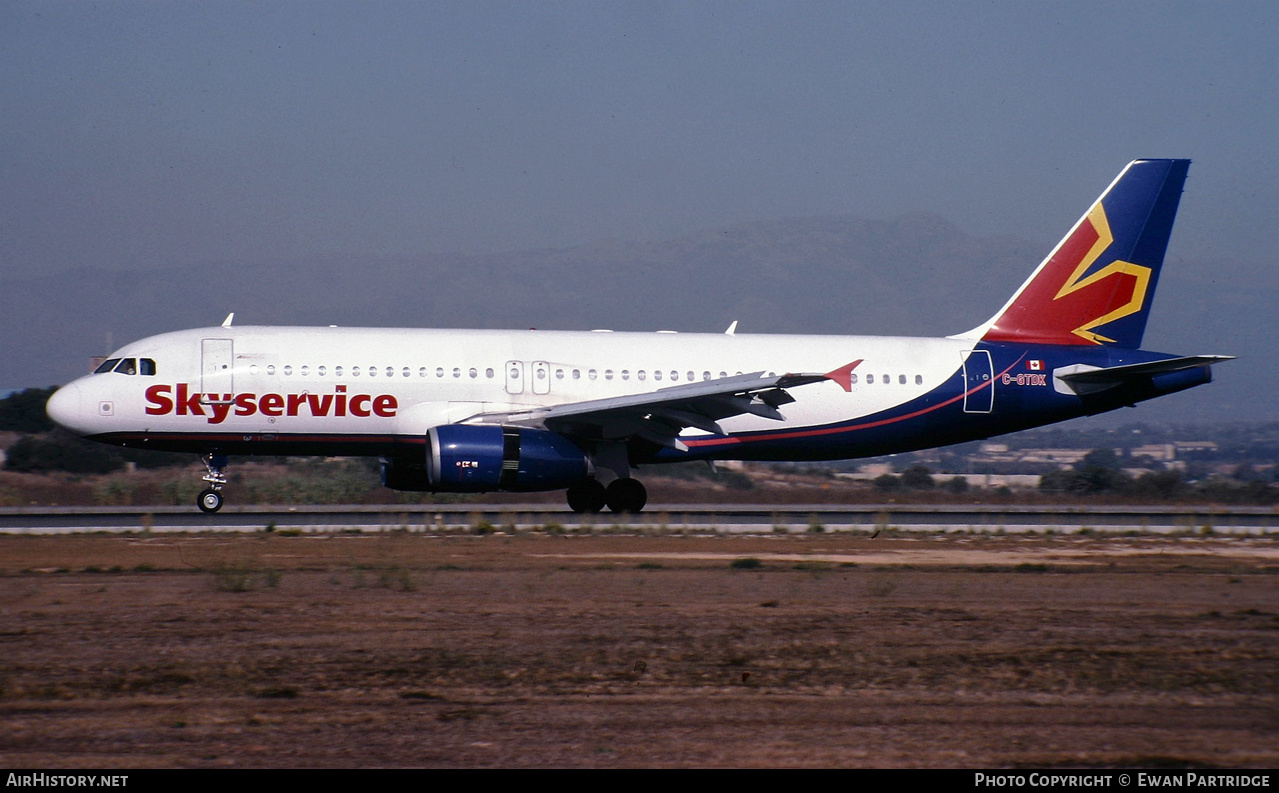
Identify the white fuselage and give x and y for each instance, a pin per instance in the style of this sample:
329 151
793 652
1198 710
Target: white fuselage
402 382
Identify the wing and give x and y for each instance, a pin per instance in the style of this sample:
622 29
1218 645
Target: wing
659 416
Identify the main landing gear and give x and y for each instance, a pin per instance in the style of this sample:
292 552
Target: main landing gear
210 499
621 495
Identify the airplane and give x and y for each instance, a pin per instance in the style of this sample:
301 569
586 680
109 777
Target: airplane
487 410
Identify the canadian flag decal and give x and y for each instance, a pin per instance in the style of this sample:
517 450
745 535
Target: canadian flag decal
1035 365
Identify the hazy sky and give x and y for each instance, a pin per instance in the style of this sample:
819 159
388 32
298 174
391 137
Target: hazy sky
154 134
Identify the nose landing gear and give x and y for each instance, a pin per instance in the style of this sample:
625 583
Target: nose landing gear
210 499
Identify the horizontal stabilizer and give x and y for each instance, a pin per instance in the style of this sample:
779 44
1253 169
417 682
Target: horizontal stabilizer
1090 379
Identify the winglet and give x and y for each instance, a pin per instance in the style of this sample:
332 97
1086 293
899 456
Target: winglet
732 329
226 323
844 375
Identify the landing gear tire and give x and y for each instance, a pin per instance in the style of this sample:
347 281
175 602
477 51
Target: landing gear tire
589 496
209 500
626 495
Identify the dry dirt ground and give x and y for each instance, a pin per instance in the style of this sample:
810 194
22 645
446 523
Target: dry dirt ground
543 650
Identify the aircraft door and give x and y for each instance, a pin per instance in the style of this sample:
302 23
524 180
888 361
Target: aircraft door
514 377
216 367
541 377
978 372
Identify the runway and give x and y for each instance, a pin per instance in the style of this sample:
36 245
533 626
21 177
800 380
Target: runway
658 518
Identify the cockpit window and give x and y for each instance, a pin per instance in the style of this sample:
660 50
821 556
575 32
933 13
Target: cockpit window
127 366
146 366
106 365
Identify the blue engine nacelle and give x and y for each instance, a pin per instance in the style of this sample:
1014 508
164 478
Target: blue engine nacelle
471 459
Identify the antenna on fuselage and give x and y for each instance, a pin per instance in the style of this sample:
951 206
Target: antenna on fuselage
226 323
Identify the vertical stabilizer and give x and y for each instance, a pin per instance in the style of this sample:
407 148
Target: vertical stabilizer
1097 285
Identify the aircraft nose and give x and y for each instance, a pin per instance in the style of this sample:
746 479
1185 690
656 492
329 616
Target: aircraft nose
64 406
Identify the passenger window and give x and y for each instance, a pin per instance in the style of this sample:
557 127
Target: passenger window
355 371
888 380
372 371
901 379
405 372
852 378
591 374
253 368
674 376
457 372
488 373
288 370
640 374
421 372
608 374
320 370
439 371
390 371
106 366
146 367
306 371
337 371
474 373
271 369
559 374
870 378
690 377
577 374
657 374
723 374
626 374
919 379
706 375
127 366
